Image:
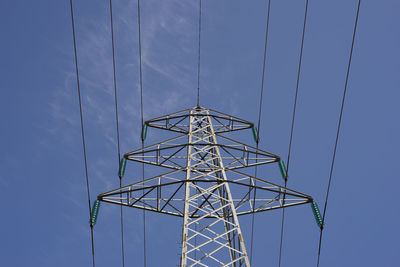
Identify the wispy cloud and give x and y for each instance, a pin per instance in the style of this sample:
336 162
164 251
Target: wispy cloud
169 80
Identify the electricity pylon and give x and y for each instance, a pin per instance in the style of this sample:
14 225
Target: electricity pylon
205 185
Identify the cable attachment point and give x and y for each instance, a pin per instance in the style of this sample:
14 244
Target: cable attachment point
144 132
283 170
255 134
122 167
317 214
95 212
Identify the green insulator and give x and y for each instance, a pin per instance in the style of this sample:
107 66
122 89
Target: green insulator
122 166
144 132
95 212
317 213
283 169
255 134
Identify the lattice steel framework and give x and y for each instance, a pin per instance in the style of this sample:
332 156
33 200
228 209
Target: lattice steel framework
198 187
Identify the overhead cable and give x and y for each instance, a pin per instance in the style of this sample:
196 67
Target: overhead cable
142 123
198 57
82 132
338 130
259 119
292 127
117 128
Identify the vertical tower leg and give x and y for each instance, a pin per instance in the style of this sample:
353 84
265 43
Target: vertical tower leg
211 227
198 189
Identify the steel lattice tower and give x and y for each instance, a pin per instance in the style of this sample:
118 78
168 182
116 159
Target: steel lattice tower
205 186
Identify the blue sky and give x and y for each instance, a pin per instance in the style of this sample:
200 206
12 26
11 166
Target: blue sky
43 195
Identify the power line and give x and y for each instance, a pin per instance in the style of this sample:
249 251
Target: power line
263 69
144 221
198 94
338 129
117 127
259 118
297 84
82 131
198 58
292 128
140 62
142 122
115 82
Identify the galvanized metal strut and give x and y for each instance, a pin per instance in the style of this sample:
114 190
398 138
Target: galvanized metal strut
205 184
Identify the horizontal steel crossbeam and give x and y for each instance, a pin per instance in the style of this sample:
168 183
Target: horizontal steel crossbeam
205 186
